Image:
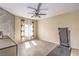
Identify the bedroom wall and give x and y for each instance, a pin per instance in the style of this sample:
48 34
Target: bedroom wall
48 28
17 29
7 23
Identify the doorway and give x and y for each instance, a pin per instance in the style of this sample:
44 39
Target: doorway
64 35
64 48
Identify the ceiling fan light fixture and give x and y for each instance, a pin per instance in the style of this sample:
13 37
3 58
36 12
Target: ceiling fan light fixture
36 11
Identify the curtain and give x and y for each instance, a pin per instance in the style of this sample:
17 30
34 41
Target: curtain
27 29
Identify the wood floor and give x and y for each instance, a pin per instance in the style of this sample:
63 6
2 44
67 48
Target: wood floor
74 52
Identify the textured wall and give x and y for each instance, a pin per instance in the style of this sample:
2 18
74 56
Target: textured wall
7 22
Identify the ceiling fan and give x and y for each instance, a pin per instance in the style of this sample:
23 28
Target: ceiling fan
36 12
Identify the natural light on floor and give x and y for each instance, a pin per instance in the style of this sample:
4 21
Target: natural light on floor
30 44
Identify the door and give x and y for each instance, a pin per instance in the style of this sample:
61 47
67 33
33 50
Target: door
63 34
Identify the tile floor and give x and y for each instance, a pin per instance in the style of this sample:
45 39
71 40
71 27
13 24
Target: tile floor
40 48
35 48
60 51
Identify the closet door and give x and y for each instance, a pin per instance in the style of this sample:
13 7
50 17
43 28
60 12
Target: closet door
63 34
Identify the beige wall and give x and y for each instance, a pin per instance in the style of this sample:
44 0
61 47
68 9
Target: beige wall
7 23
17 29
48 28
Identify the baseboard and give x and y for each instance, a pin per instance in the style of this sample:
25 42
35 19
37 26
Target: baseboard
50 42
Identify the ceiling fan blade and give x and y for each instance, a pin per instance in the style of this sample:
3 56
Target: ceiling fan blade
38 7
32 8
42 14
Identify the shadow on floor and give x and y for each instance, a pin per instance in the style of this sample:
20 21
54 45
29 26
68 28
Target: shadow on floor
60 51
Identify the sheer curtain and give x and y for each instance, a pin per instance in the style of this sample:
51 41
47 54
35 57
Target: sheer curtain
27 29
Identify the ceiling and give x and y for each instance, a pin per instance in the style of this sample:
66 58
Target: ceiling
20 9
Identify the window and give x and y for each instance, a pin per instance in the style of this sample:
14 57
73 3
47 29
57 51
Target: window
27 29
